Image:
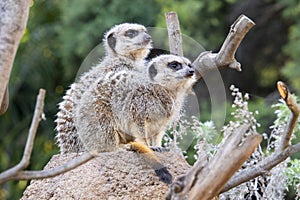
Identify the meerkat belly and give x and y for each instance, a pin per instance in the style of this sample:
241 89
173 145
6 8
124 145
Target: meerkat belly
145 111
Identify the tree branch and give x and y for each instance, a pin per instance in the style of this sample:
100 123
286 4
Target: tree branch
231 155
39 174
30 139
262 167
294 108
234 153
284 150
17 172
175 39
207 61
13 19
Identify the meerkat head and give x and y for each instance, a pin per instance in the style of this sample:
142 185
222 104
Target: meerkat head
129 40
171 71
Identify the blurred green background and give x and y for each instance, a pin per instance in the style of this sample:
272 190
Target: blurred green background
60 34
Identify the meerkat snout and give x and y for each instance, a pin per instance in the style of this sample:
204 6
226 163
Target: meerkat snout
190 72
147 38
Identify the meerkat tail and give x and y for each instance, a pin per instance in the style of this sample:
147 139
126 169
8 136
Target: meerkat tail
148 154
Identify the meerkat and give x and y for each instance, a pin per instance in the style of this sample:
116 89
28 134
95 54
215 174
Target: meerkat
126 46
134 108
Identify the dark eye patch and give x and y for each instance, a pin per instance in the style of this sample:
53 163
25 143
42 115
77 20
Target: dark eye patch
175 65
131 33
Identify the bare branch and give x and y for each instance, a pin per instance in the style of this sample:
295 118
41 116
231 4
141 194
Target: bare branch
231 155
294 108
30 140
284 150
17 173
28 175
207 61
175 39
13 19
261 168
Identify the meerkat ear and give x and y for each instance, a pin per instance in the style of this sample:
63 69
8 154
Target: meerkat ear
111 40
152 71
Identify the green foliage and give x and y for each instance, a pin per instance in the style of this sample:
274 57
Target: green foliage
199 18
283 114
292 48
293 173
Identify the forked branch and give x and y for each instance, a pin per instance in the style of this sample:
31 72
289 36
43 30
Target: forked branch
207 61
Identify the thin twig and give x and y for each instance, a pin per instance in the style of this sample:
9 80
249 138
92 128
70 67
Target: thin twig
27 175
17 172
30 139
261 168
294 108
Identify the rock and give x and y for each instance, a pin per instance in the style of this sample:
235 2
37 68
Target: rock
111 175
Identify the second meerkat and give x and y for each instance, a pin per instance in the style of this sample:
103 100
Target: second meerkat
129 108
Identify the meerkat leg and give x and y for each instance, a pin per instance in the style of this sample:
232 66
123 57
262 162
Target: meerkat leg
156 140
152 147
154 143
149 156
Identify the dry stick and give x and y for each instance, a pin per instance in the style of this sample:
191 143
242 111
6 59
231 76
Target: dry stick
14 15
294 108
17 172
27 175
206 180
30 139
284 150
262 167
175 39
175 45
207 61
224 164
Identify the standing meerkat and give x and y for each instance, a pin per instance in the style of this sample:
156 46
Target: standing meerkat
132 109
126 46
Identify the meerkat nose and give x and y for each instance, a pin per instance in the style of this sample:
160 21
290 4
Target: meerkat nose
191 72
147 38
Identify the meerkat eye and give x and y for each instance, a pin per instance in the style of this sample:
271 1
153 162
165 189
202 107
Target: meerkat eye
190 66
175 65
131 33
